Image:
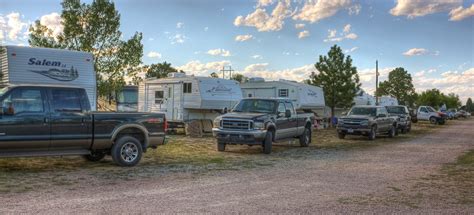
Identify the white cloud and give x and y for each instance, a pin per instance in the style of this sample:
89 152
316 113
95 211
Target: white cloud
346 34
299 26
417 8
179 25
263 21
263 3
178 38
53 22
415 52
256 67
351 50
367 78
221 52
242 38
11 26
355 10
257 56
153 54
461 13
314 11
206 28
195 67
303 34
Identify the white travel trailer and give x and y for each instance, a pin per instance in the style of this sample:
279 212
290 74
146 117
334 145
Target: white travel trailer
364 98
304 96
387 101
187 99
26 65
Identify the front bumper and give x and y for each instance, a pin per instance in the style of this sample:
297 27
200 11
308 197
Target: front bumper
355 130
248 137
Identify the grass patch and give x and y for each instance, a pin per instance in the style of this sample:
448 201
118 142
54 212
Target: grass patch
181 155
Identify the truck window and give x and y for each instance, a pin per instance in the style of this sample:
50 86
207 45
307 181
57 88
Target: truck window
281 107
66 100
289 106
24 101
423 109
283 93
187 87
158 97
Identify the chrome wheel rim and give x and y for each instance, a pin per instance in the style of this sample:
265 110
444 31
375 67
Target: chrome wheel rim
129 152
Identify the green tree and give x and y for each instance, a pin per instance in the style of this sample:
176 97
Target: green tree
160 70
239 78
451 100
94 28
469 105
214 75
399 85
431 97
338 77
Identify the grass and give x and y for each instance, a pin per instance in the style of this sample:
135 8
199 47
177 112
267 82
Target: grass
182 155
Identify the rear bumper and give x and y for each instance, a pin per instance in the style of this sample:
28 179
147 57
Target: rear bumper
248 137
155 139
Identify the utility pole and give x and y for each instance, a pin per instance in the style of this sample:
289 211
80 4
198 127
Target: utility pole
376 81
227 69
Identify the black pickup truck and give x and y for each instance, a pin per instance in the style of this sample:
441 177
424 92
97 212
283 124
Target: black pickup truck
53 120
256 121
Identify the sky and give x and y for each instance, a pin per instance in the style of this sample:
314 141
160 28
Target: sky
283 39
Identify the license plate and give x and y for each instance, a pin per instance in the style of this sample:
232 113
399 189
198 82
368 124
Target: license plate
350 130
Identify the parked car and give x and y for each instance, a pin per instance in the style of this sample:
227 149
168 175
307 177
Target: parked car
38 120
403 117
427 113
367 120
462 114
255 121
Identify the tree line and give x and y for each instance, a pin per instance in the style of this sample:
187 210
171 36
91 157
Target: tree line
95 27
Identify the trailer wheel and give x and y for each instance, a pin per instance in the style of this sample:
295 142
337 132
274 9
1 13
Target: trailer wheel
267 143
305 138
127 151
220 146
94 156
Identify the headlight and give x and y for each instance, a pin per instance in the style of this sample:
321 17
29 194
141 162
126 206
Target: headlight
217 123
258 125
364 122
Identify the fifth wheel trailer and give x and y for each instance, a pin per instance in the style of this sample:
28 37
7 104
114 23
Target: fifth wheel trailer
26 65
188 101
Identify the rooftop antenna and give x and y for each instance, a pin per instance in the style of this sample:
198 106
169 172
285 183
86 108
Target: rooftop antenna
227 69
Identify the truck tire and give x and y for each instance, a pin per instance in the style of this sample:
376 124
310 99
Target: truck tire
373 133
433 120
392 132
127 151
305 138
341 135
220 146
94 156
408 128
267 143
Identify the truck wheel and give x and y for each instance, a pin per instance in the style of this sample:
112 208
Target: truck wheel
267 143
305 138
433 120
404 130
392 132
408 128
341 135
94 156
220 146
127 151
373 133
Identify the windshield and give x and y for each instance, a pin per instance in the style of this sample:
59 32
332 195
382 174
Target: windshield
430 109
396 110
255 106
366 111
128 96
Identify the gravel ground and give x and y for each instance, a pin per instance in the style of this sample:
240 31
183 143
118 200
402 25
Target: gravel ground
333 181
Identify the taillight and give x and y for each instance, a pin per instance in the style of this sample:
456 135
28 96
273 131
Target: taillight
165 124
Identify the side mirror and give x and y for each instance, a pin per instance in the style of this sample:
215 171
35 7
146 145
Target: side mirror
287 113
225 110
344 113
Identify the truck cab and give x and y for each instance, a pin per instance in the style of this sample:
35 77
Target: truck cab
255 121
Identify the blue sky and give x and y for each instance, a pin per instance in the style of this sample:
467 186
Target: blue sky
432 39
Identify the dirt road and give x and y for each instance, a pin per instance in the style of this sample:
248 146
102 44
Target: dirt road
379 179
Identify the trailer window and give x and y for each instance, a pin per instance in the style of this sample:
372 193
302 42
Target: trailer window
283 93
66 100
158 97
187 87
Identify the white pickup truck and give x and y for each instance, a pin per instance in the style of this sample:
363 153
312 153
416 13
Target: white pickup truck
427 113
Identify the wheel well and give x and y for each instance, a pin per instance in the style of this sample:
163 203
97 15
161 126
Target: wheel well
308 125
133 132
272 129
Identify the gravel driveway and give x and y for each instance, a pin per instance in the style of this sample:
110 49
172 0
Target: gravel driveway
330 181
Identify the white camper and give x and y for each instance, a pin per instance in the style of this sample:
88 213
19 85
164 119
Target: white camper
188 98
304 96
387 101
363 98
26 65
